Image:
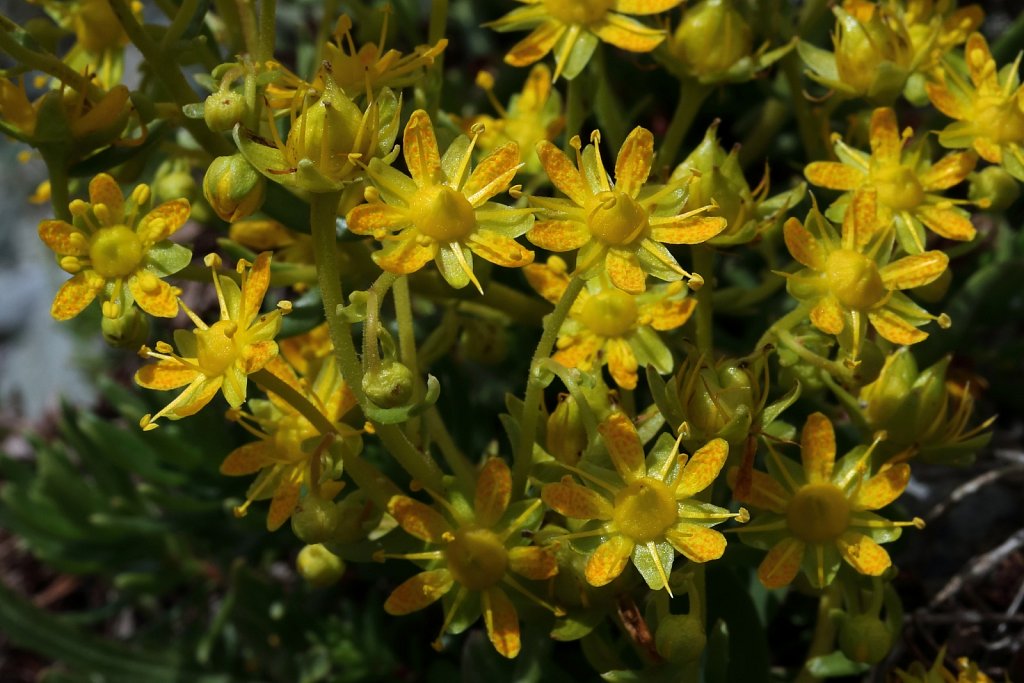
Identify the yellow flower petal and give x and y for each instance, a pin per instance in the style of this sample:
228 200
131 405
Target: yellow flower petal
562 173
947 223
559 235
257 355
257 282
501 621
493 491
883 488
802 245
980 65
76 294
696 543
195 397
686 230
104 190
63 238
163 221
622 363
418 592
248 459
818 448
633 165
153 295
827 316
499 250
607 562
863 554
376 219
765 493
914 271
623 267
894 328
282 505
532 562
548 283
493 174
833 175
164 375
572 500
624 446
885 136
420 148
417 519
951 170
780 566
702 468
945 101
644 6
535 45
668 315
405 256
578 351
627 34
860 223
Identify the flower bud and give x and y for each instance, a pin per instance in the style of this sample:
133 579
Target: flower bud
315 520
680 638
233 187
711 38
864 639
128 331
719 400
390 386
357 516
319 566
873 51
223 109
566 437
994 187
98 125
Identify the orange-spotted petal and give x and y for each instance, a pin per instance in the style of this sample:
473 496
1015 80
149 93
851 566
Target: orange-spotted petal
535 45
248 459
153 295
827 315
696 543
702 468
499 249
163 221
949 171
607 562
915 270
622 363
633 164
257 282
686 229
578 351
894 328
860 223
532 562
501 621
562 172
420 147
780 566
802 245
559 235
947 223
578 502
377 218
76 294
833 175
623 267
624 446
627 34
103 189
548 283
643 7
418 592
668 315
417 519
493 492
165 374
404 256
818 448
863 554
257 355
885 136
282 505
945 101
765 493
883 488
63 238
493 174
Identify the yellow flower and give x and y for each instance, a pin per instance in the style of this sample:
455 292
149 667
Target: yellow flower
849 277
288 456
479 554
99 37
16 110
989 110
936 27
609 326
443 213
645 510
357 70
967 672
908 185
621 228
220 356
533 115
572 28
816 515
117 251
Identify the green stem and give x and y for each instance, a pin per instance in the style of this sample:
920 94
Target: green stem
824 636
785 323
45 62
407 348
59 192
837 370
179 23
268 16
323 222
436 30
535 390
813 144
247 17
270 382
453 455
773 118
704 265
170 75
691 96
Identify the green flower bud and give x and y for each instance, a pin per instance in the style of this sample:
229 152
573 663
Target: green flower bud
873 52
711 38
223 110
566 437
233 188
357 516
993 188
319 566
390 386
680 638
719 400
864 639
315 520
129 331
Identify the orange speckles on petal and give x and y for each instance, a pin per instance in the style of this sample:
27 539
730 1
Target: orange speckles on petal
863 554
556 235
417 519
247 459
915 270
578 502
885 136
535 45
549 283
103 189
764 492
63 238
405 256
163 221
282 505
702 468
493 174
622 363
883 488
894 328
607 562
377 219
623 267
499 250
833 175
501 621
418 592
75 295
420 148
493 491
802 245
153 295
633 164
563 174
624 446
951 170
165 374
780 566
532 562
818 448
948 223
696 543
827 316
686 229
628 34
